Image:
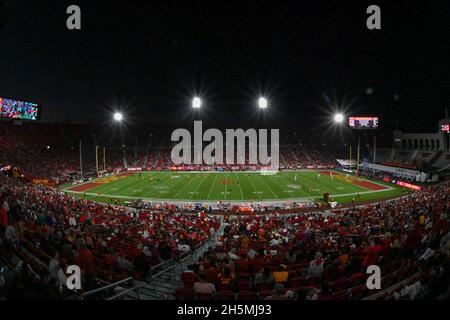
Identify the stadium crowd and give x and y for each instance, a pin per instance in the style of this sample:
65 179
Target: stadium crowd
52 151
43 231
326 255
317 255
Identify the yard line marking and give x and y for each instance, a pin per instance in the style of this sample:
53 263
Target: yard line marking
187 200
198 186
332 187
225 193
287 181
254 189
190 181
130 185
124 187
212 186
170 185
239 183
268 186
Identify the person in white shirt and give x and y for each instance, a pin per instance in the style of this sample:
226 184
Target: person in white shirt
5 206
274 242
316 266
123 263
10 234
251 254
72 222
427 254
204 287
183 248
56 271
409 292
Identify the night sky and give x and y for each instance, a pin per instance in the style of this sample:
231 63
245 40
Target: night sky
307 57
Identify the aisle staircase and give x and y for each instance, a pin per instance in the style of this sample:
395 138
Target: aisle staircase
162 284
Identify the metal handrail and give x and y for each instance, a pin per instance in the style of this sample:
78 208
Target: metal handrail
94 291
135 289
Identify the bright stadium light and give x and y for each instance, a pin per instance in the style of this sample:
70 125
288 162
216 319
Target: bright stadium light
118 116
196 103
262 103
338 118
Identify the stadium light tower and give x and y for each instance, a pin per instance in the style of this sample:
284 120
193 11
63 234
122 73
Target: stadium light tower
262 103
196 103
338 118
118 116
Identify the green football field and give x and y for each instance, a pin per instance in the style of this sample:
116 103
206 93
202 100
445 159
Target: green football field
233 187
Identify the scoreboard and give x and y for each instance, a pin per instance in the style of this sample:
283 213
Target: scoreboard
18 110
363 122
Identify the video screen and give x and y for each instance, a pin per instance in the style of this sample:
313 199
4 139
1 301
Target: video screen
18 110
363 122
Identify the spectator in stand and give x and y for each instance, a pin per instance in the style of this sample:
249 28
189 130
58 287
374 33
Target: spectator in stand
142 262
281 275
278 293
189 277
56 271
373 254
226 278
413 241
264 276
316 267
84 258
204 287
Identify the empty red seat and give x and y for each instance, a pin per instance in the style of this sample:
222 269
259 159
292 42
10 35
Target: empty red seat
340 284
265 293
357 278
204 296
313 281
297 281
263 286
246 295
224 287
358 292
244 276
184 294
226 295
244 285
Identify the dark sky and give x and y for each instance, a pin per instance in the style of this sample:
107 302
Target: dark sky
308 57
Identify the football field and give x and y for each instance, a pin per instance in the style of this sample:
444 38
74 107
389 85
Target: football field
233 186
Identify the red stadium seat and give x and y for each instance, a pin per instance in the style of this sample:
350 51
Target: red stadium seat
246 295
340 284
358 291
226 295
244 285
357 278
204 296
184 294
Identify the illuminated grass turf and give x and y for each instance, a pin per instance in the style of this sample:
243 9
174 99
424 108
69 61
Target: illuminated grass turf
234 186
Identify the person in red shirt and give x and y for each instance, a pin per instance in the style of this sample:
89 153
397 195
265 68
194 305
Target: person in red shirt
258 262
372 254
243 263
413 240
3 218
189 277
85 260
